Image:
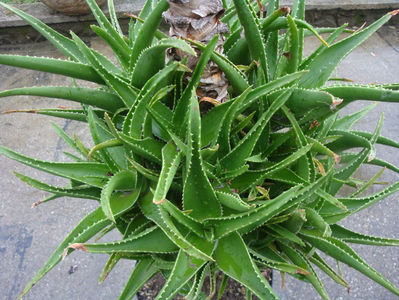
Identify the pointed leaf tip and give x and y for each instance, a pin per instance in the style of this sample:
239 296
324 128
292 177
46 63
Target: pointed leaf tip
36 203
159 202
337 101
76 246
394 12
17 110
285 9
302 271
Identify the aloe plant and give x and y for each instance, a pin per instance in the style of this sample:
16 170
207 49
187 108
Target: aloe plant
251 183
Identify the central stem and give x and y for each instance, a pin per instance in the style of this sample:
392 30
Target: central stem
199 20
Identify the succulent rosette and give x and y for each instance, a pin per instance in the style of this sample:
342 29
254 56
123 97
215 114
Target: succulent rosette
217 149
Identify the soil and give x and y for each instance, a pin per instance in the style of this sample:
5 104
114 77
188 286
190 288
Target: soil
233 291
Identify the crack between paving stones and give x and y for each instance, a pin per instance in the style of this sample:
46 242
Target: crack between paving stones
388 42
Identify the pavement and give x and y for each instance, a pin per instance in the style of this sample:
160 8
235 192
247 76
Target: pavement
28 236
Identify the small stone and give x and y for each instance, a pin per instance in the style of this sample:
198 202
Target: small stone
72 269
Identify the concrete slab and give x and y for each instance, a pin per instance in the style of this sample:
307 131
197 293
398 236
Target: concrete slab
28 236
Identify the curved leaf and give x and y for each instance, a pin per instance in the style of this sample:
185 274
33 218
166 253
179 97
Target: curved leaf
342 252
120 193
232 257
86 229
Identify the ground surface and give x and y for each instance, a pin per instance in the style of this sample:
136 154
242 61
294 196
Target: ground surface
28 236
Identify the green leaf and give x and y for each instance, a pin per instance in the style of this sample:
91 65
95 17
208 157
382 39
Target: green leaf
346 122
185 267
350 168
93 174
295 49
233 201
148 148
147 32
285 233
151 240
121 88
236 158
380 139
121 50
346 140
114 157
84 192
256 177
342 252
175 234
136 116
104 145
321 68
375 161
198 194
212 120
350 236
113 17
222 226
272 38
303 100
171 158
332 200
246 122
277 208
232 257
234 75
226 123
68 114
52 65
152 59
120 193
367 184
105 24
113 259
179 115
183 218
253 34
332 37
333 215
62 134
86 229
261 257
198 281
319 262
65 45
306 168
352 92
142 272
313 219
161 117
299 259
